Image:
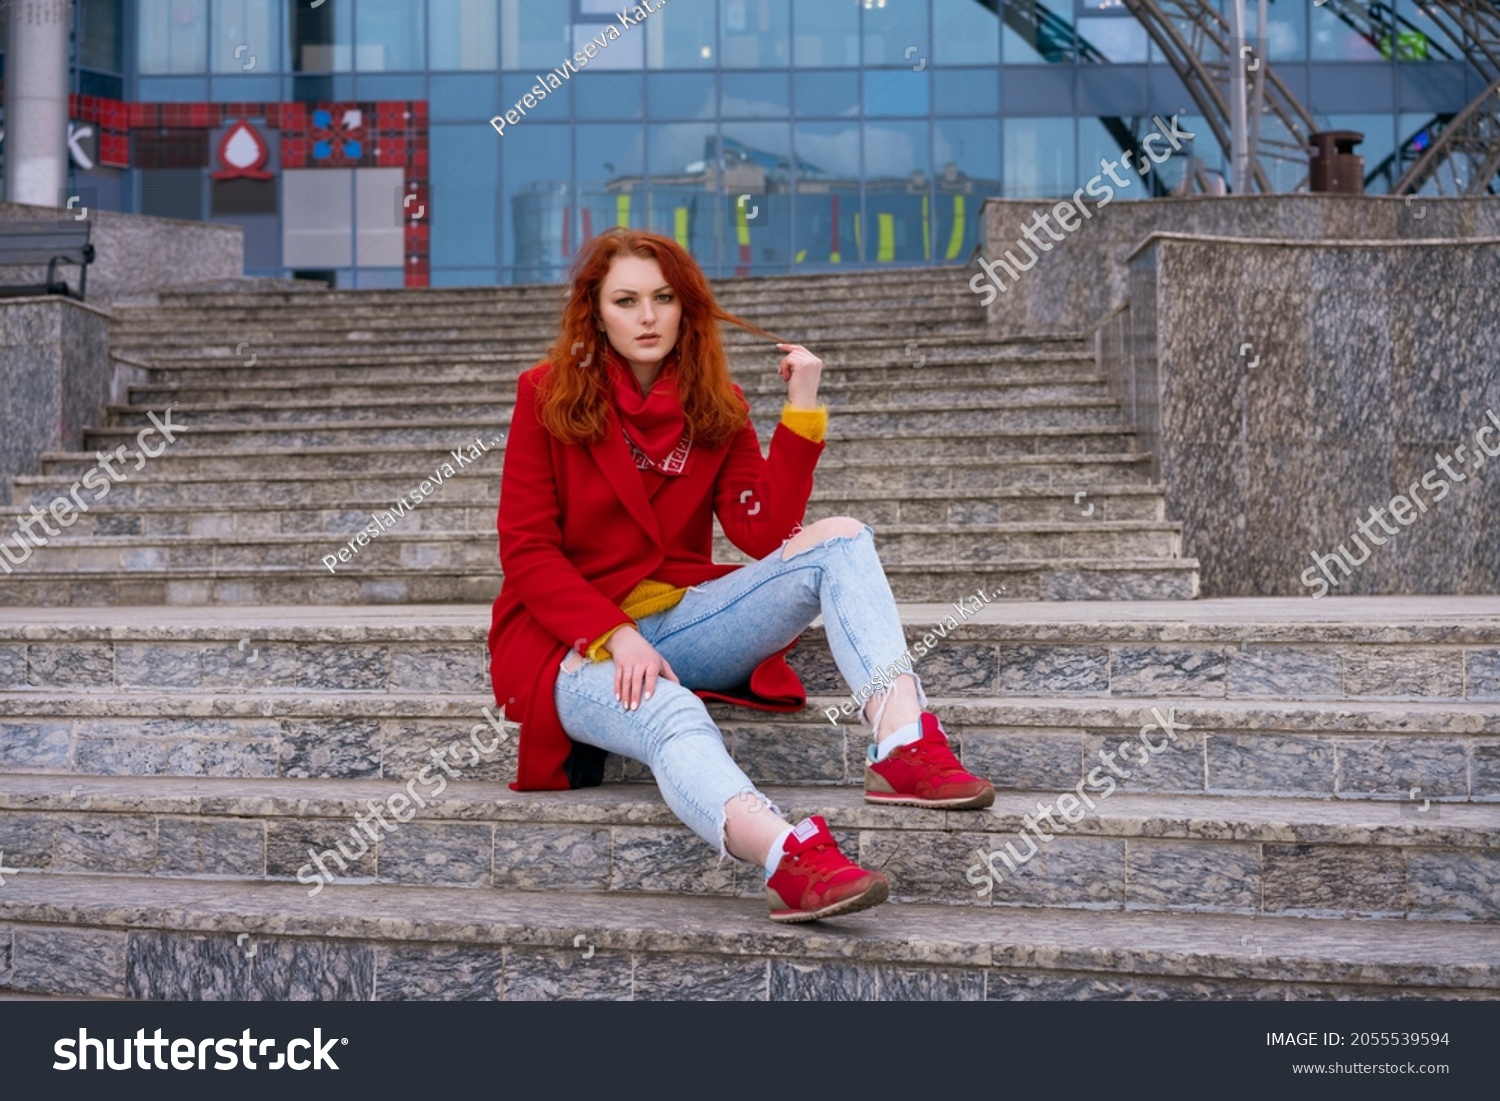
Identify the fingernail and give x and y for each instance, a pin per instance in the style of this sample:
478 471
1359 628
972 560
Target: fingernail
646 697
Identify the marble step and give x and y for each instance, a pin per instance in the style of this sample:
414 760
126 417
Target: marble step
144 937
261 708
1130 852
878 361
876 444
43 585
913 389
1373 651
340 471
934 411
229 509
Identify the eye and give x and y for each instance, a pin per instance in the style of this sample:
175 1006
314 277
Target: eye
623 302
664 297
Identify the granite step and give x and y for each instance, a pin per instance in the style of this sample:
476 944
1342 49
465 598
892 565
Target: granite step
269 709
1130 852
341 471
981 545
231 508
145 937
913 389
43 585
870 445
931 411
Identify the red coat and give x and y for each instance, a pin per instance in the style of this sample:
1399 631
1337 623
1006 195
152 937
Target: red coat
578 532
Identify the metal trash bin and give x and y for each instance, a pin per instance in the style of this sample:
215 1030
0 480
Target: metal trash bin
1333 165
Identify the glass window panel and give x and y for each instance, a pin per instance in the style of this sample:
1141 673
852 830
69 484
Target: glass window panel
609 95
463 34
757 162
682 152
679 36
534 36
626 52
1099 148
895 32
611 164
1286 30
755 34
965 92
755 95
897 223
1419 37
461 277
681 95
100 41
826 34
322 38
896 92
1044 37
246 32
455 97
1038 158
465 160
172 36
553 107
828 151
827 93
1118 40
1335 40
964 33
540 241
388 35
966 156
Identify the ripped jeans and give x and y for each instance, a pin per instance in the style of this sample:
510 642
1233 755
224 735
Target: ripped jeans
713 639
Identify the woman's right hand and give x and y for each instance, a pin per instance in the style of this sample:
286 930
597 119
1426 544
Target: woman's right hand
637 667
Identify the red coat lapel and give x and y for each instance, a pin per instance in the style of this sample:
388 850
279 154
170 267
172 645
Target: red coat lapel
612 456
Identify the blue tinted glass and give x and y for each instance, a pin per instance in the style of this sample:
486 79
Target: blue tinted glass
608 95
680 36
964 33
246 88
1038 158
827 93
538 201
681 95
754 95
966 156
388 34
172 36
825 35
682 151
462 277
897 226
1036 35
465 163
246 33
534 36
753 34
896 92
458 98
171 89
389 87
895 33
552 107
462 35
1341 36
966 92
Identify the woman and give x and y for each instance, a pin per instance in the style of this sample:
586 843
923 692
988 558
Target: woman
614 623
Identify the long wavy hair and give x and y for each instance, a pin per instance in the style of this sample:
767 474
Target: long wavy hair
574 400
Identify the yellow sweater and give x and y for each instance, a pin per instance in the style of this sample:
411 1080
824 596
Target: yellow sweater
651 597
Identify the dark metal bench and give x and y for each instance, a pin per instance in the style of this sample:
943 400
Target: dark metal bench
51 243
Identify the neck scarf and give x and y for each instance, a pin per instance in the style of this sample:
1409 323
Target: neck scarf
654 424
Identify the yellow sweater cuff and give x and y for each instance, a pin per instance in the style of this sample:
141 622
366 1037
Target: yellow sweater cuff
810 424
596 650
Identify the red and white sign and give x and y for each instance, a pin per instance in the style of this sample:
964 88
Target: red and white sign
242 151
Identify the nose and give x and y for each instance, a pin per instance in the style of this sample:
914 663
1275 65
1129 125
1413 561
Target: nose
648 313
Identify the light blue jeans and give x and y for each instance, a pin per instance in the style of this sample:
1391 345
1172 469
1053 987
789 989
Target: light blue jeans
713 639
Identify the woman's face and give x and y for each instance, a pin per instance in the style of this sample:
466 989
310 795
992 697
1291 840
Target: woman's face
639 311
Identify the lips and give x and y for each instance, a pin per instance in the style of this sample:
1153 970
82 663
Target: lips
648 338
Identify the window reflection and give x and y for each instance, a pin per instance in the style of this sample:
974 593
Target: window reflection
680 36
172 36
1039 158
463 34
825 35
388 35
254 25
895 32
755 33
965 32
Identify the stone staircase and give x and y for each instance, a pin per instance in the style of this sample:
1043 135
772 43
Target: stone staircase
193 708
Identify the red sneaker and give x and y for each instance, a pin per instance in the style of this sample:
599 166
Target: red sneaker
814 880
925 773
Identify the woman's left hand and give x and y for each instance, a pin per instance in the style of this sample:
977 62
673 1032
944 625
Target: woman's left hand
802 371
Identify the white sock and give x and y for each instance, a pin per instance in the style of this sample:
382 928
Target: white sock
911 732
778 850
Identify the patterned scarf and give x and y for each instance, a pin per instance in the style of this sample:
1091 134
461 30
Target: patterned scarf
654 425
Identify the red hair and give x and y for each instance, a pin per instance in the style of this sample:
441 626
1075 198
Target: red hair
575 400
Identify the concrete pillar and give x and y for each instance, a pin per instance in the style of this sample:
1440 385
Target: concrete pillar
36 102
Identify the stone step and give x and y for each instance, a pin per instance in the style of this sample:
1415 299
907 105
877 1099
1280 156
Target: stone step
146 937
1130 852
275 709
901 474
946 438
231 508
931 409
1428 649
476 549
910 389
42 586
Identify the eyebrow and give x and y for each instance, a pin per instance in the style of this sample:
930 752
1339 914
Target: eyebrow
629 290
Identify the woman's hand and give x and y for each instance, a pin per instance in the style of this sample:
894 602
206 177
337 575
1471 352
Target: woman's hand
637 666
802 371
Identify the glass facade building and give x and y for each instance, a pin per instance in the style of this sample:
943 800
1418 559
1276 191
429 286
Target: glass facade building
766 136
